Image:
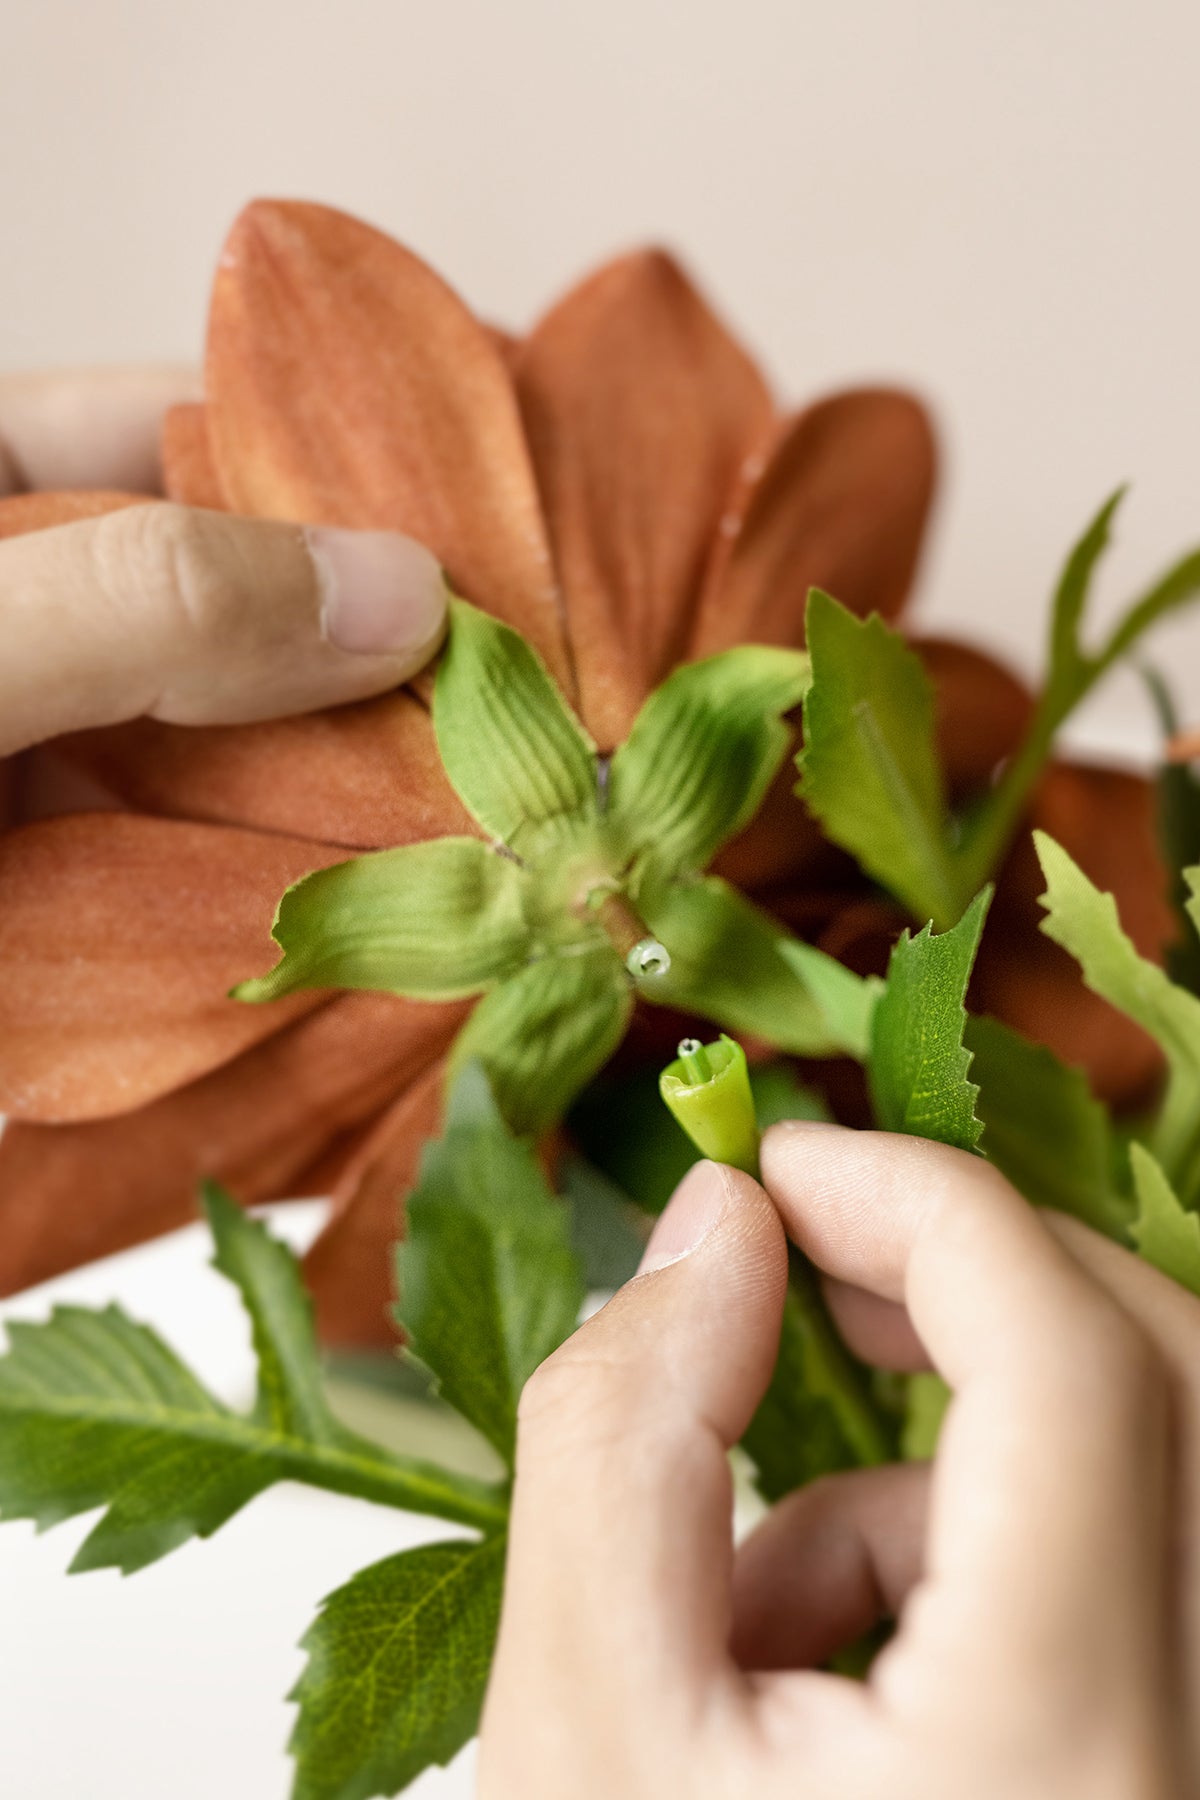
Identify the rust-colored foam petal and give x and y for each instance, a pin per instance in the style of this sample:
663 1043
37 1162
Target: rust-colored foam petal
71 1193
640 410
189 470
982 712
361 776
120 937
347 384
22 513
1105 819
782 846
841 504
349 1268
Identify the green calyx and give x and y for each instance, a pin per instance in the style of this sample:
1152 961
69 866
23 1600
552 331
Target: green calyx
587 877
707 1089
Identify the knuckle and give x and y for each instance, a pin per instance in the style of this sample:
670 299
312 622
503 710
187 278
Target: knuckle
577 1395
169 553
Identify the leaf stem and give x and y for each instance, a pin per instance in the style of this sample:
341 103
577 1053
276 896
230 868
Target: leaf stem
355 1468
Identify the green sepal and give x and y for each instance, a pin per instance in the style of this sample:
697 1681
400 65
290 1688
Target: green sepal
1165 1235
1044 1128
434 921
726 965
847 1001
544 1033
714 1103
398 1662
489 1283
869 770
516 755
917 1068
702 753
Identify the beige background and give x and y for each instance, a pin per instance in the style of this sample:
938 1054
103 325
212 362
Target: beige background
994 202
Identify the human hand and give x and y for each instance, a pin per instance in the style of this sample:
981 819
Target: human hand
1044 1572
193 617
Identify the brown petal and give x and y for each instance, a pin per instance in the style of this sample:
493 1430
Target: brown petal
1106 820
982 712
189 471
70 1193
782 846
348 384
121 937
22 513
841 505
360 776
640 409
349 1268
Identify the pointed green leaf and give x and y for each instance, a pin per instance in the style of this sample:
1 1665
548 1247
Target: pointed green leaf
488 1280
869 770
544 1033
517 756
1165 1234
703 752
1085 922
727 965
1192 905
96 1411
398 1662
846 1000
928 1401
1178 809
434 921
1044 1128
608 1232
1067 656
917 1068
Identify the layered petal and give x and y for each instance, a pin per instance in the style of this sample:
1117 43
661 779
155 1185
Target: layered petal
119 940
350 1268
1106 820
841 504
364 777
349 385
22 513
71 1193
640 411
189 469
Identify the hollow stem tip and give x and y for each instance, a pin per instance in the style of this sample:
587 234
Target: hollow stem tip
707 1089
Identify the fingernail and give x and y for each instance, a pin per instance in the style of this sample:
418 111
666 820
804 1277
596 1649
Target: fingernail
381 594
692 1211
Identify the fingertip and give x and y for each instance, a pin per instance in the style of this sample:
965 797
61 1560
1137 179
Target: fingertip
381 594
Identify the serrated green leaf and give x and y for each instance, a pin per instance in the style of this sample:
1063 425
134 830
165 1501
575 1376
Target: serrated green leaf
488 1280
846 1000
544 1033
398 1662
702 753
917 1069
1044 1128
96 1411
515 753
726 965
1165 1235
435 921
1178 810
869 770
1085 922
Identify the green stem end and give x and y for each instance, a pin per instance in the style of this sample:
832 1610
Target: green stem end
707 1089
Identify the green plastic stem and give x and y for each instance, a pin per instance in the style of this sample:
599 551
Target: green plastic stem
707 1089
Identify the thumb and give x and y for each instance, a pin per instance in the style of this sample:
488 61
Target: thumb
201 618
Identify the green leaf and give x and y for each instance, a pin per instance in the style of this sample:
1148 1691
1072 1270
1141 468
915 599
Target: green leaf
488 1280
869 769
726 964
779 1095
846 1000
1068 660
517 756
1044 1129
1165 1234
703 752
918 1067
544 1033
96 1411
435 921
1085 922
928 1401
606 1232
1178 796
398 1662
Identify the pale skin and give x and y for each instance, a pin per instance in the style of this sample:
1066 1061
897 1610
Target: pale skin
1044 1571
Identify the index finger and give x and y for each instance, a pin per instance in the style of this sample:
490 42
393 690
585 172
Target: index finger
88 428
1047 1535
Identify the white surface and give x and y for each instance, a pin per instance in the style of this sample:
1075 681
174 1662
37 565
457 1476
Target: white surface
169 1684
